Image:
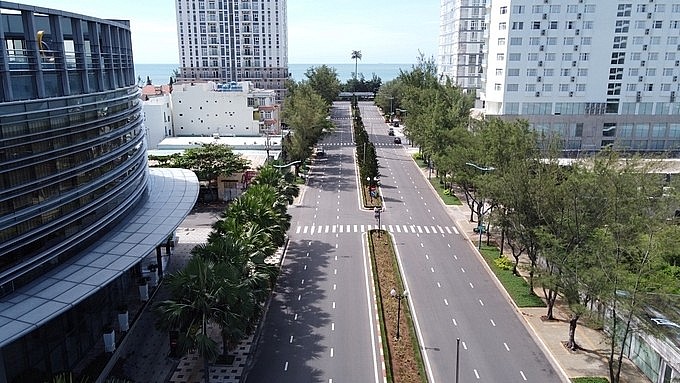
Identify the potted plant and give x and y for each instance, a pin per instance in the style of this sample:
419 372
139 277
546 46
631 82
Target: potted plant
109 338
143 289
123 317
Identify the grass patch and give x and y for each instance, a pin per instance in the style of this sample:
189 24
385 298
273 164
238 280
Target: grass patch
590 380
403 359
517 287
371 202
444 194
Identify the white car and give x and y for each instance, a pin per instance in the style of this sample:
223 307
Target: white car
319 151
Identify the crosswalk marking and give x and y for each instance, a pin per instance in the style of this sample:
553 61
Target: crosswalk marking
405 229
398 228
426 229
440 230
455 230
434 230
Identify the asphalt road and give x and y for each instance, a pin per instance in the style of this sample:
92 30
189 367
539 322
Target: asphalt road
451 292
321 324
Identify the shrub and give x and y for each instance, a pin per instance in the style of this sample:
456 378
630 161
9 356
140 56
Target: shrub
503 263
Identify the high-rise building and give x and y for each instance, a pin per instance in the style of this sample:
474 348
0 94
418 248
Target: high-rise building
594 73
234 40
80 211
461 42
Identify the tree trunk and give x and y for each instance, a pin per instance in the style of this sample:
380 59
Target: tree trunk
573 322
551 298
503 244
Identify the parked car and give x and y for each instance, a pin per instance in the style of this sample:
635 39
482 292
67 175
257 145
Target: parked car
319 152
390 132
397 140
395 124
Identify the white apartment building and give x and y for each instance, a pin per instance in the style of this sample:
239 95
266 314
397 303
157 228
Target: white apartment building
461 42
595 73
209 109
234 40
157 111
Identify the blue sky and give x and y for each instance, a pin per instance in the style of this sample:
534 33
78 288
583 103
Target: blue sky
319 31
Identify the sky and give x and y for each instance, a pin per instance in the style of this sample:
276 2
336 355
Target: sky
319 31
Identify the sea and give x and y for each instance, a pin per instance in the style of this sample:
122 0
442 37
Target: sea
159 74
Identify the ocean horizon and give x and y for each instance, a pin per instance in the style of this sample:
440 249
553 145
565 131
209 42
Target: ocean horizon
159 74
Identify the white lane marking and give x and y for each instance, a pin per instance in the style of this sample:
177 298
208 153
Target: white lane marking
341 227
462 269
305 267
309 243
336 245
455 256
285 367
446 302
311 231
332 326
333 304
522 373
298 230
432 269
427 257
299 296
295 317
355 228
331 352
421 244
335 271
391 231
303 282
464 345
405 229
362 228
493 323
506 346
448 244
367 276
333 228
481 303
305 231
454 321
336 257
398 229
334 286
428 210
291 339
476 373
439 285
471 285
455 230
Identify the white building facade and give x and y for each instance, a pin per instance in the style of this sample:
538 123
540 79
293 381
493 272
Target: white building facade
157 112
234 40
595 73
211 109
461 42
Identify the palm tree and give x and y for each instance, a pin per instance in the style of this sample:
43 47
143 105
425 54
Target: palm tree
263 206
356 55
284 183
198 294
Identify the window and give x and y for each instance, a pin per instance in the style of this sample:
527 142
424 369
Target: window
657 24
580 87
564 87
515 41
649 87
640 24
568 41
641 8
532 57
504 10
536 25
549 57
534 41
616 73
631 87
518 9
572 8
633 72
502 26
514 72
537 9
618 58
675 8
569 24
587 25
620 42
622 26
623 10
531 72
547 87
565 72
636 56
586 40
670 56
499 71
514 57
551 41
530 87
589 8
665 87
567 57
660 8
501 41
613 88
553 25
585 56
498 86
500 56
513 87
582 72
675 24
517 25
653 56
672 40
548 72
650 72
667 71
638 40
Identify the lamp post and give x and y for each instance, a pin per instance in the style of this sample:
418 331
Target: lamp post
480 224
399 297
370 185
376 212
391 108
457 357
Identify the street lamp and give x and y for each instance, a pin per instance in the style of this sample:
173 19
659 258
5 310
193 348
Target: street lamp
376 212
370 185
457 357
480 224
399 297
391 108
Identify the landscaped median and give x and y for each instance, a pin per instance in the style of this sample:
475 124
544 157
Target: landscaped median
403 360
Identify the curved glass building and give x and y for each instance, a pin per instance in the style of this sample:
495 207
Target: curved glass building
79 207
